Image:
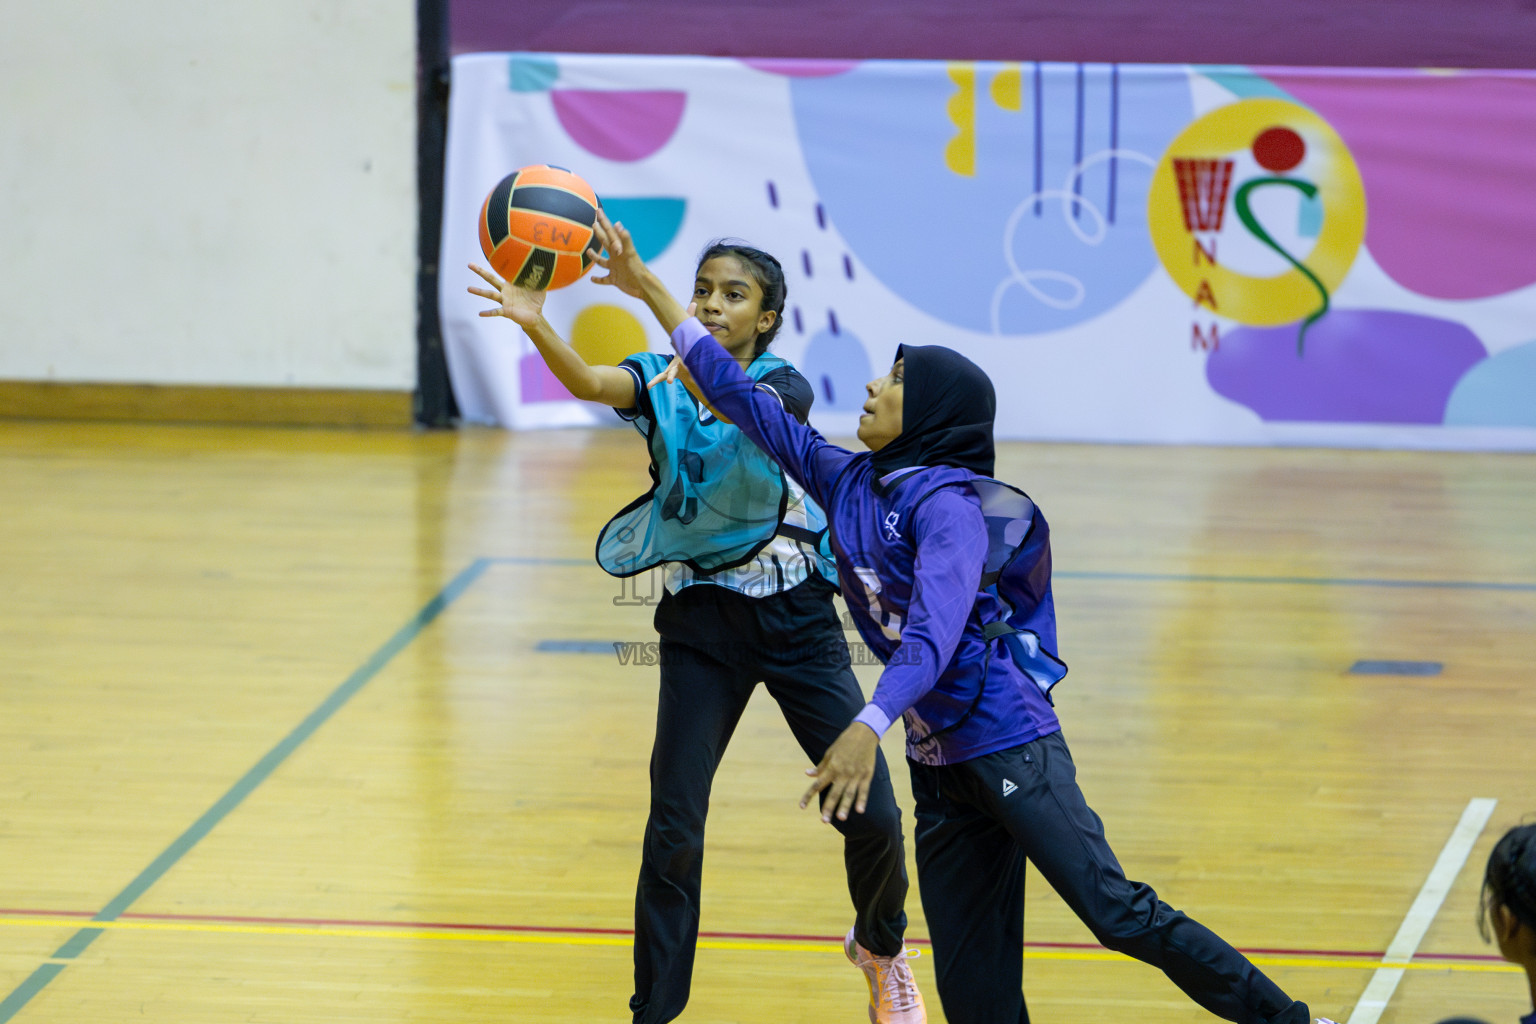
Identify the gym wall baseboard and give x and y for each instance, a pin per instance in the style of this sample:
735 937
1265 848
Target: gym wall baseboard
170 403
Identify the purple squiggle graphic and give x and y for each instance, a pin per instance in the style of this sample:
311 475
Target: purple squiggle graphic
1360 366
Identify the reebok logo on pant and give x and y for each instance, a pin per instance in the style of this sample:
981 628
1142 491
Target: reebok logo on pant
1008 787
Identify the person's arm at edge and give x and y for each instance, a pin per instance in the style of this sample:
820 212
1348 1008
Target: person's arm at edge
608 385
614 251
951 549
800 449
952 545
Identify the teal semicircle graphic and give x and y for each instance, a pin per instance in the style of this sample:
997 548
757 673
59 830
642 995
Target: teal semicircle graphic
653 221
1244 83
528 73
1499 391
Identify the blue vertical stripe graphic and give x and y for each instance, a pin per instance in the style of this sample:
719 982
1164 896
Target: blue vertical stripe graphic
1077 147
1039 134
1114 133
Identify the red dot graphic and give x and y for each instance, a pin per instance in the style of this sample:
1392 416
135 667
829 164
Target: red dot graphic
1278 149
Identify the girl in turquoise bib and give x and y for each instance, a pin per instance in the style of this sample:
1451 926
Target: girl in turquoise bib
748 586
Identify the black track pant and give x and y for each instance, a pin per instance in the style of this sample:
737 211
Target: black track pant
716 646
977 822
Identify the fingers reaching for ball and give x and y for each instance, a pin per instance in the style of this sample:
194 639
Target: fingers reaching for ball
493 292
490 279
608 236
626 270
522 306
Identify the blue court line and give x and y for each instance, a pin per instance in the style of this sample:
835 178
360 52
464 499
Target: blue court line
1172 577
77 944
1314 581
576 646
1375 667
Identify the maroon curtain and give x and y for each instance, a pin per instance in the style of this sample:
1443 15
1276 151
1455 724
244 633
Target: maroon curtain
1319 33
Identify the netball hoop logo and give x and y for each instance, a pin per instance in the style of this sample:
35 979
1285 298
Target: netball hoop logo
1203 187
1257 213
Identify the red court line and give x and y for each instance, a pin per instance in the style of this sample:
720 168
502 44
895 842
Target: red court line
537 929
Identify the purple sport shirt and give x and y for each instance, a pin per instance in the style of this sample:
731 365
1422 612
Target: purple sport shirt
909 551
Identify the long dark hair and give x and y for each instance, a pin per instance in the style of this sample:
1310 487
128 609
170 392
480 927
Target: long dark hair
768 274
1511 878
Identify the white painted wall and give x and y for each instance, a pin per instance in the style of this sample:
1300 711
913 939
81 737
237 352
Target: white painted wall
208 192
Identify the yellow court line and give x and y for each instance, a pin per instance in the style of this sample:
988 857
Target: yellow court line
1371 965
757 945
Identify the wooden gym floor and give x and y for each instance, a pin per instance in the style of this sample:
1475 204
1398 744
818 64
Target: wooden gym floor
327 725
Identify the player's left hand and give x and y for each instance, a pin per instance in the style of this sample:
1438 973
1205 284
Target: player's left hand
614 250
677 370
844 773
669 375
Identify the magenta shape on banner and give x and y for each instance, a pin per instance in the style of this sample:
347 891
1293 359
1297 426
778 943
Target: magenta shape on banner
1448 162
623 125
1357 366
537 383
791 67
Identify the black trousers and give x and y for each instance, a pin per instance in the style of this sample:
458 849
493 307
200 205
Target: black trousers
978 821
716 647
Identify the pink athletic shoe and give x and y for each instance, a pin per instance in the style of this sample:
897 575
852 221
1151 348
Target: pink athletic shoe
893 994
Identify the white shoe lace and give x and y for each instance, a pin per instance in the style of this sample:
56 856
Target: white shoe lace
897 981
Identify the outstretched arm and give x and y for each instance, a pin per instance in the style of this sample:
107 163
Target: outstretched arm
804 453
951 540
614 252
628 273
606 384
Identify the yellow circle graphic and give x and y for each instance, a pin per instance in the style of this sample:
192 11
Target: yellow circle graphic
1268 180
606 335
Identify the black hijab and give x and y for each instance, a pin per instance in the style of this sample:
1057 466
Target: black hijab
947 407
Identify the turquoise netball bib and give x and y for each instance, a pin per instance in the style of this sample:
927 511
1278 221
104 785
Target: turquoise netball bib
715 499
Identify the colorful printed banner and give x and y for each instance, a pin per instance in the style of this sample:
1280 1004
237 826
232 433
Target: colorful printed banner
1134 253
